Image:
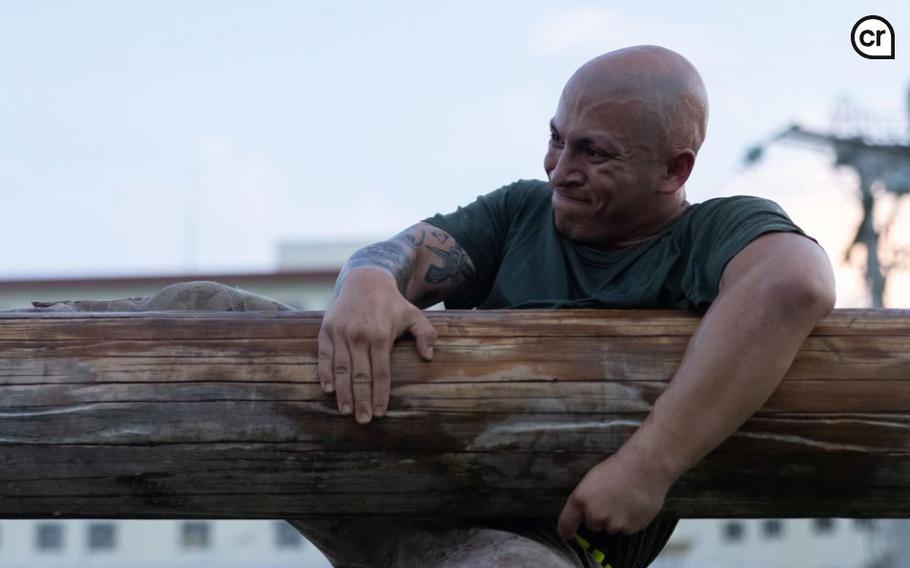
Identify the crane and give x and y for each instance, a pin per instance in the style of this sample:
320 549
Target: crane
882 165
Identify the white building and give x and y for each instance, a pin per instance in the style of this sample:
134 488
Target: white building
787 543
154 544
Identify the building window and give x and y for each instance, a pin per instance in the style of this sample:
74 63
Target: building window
823 526
773 528
102 536
195 535
49 537
286 536
734 531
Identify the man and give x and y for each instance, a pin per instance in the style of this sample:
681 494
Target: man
611 228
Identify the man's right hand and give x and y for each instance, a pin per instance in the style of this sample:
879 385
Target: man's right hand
356 338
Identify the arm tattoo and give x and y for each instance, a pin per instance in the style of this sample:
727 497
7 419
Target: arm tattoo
455 266
396 256
414 242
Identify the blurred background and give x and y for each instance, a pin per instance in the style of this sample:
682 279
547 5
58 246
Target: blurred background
260 143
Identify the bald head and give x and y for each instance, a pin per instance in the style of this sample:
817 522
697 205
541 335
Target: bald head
671 97
622 145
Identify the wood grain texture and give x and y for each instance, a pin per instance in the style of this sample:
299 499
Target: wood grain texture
219 415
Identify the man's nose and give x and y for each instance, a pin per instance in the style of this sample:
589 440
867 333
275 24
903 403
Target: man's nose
565 172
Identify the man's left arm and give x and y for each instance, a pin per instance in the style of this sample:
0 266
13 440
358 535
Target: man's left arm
771 295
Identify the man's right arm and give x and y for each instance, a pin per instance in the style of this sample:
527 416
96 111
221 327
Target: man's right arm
378 296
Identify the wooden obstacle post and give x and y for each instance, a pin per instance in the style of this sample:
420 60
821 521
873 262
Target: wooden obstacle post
219 415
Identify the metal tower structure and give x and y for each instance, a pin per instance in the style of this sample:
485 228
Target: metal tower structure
881 159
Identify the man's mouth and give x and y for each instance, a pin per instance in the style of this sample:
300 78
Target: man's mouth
567 197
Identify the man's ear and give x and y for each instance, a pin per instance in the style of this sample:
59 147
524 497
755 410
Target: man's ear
679 167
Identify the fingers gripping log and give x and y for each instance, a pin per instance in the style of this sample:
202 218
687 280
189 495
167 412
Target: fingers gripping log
221 415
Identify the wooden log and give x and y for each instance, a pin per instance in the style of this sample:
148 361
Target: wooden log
219 415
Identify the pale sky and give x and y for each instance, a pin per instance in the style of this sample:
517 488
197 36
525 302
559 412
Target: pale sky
342 120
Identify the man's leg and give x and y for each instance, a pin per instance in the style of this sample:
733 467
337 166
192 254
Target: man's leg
401 543
480 547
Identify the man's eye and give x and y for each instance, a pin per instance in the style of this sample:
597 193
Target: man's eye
595 153
555 140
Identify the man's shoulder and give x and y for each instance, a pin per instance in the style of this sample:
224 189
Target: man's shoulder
738 203
528 188
738 218
494 214
519 197
736 209
531 184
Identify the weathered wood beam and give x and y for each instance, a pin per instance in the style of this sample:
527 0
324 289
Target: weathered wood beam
219 415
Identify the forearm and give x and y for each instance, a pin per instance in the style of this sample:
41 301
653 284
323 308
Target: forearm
367 314
734 362
425 264
397 257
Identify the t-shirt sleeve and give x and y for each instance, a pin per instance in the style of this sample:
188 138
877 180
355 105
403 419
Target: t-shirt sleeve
718 233
481 228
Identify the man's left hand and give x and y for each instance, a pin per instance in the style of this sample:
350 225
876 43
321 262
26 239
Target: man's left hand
617 495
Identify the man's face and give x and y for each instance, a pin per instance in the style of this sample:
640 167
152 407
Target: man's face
602 162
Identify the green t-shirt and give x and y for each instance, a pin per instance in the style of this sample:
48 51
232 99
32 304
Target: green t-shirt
523 262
